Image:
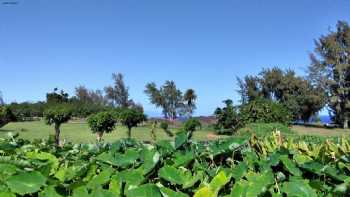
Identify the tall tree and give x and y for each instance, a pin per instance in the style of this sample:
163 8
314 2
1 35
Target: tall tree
330 69
171 99
297 94
190 98
1 99
118 94
57 97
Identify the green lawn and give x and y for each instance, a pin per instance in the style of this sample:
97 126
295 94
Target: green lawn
79 132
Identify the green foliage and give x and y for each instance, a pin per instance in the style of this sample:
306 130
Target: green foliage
102 122
130 118
264 111
171 99
263 129
164 125
264 166
330 70
6 115
24 111
297 94
57 114
191 125
227 118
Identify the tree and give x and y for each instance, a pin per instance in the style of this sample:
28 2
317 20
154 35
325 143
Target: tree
56 97
296 93
57 115
6 115
165 126
227 119
119 93
102 122
171 100
191 125
130 118
1 99
190 98
330 69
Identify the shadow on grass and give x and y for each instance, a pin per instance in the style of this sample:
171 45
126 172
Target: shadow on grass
7 130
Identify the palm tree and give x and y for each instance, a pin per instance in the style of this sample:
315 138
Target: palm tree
190 98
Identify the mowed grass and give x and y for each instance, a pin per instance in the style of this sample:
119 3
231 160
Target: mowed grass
79 132
317 131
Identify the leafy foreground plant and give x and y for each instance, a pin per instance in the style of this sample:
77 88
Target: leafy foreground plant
270 166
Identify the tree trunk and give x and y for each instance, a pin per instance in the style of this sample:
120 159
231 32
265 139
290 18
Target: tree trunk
346 122
57 134
129 132
99 136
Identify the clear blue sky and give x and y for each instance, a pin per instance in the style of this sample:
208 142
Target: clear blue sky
201 44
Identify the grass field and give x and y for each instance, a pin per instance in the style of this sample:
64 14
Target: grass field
79 132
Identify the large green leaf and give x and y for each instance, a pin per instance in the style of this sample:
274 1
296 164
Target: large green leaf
45 156
239 189
26 182
214 186
170 193
179 176
259 183
147 190
49 191
150 158
180 139
100 179
290 166
298 189
171 174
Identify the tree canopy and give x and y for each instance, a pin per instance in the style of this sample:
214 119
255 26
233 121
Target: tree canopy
171 99
330 69
296 93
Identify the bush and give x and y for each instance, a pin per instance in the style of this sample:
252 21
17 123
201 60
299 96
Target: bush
102 122
191 125
6 116
165 126
264 111
227 118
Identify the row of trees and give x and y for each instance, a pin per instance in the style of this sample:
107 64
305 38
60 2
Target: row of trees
327 84
86 102
297 94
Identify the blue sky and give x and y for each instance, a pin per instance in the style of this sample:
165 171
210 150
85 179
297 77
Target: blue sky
199 44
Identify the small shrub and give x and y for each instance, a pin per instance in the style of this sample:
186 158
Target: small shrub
191 125
102 122
264 111
165 126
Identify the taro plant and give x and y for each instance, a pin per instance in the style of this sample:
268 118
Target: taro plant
100 123
57 115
